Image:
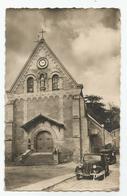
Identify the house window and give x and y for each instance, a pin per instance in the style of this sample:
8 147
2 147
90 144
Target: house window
55 82
30 85
42 82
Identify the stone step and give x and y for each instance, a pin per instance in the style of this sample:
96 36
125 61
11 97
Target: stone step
39 159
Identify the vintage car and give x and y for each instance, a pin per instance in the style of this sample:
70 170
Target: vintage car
92 166
110 155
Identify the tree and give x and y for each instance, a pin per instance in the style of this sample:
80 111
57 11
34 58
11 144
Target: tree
97 109
112 118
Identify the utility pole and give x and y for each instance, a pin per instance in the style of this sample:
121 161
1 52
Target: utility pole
80 129
103 130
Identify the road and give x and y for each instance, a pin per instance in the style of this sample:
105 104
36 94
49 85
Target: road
110 183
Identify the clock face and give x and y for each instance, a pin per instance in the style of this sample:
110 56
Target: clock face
42 63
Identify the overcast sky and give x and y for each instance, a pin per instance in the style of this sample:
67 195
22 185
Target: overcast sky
87 42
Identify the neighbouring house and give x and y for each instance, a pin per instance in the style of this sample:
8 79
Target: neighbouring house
98 135
116 138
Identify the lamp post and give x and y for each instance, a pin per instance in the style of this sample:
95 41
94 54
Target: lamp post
80 128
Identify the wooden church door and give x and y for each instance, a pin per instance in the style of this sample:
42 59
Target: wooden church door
44 142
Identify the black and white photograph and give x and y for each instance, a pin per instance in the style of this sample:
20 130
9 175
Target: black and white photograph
62 99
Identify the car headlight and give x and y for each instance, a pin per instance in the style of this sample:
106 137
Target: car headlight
80 165
94 166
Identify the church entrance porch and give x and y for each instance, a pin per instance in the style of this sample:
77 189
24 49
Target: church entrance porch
44 137
44 142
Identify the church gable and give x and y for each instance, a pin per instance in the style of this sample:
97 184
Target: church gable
43 72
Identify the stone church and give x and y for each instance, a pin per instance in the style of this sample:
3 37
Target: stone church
46 118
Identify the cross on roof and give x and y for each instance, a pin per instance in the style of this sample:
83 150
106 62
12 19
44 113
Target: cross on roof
42 33
40 37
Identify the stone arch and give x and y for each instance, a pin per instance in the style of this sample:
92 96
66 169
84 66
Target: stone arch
43 142
32 76
55 82
54 73
42 128
60 76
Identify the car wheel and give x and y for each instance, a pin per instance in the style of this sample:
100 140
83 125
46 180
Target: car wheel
107 172
93 178
101 177
78 176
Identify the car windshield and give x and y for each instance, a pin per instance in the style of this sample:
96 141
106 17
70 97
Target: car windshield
92 158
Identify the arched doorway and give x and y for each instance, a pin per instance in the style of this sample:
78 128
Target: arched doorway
44 142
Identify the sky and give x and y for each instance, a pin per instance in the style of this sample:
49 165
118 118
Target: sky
86 41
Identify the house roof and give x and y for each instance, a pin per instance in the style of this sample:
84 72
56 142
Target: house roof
41 118
96 123
93 120
115 130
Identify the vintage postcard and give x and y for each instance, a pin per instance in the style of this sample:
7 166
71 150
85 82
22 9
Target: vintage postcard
62 111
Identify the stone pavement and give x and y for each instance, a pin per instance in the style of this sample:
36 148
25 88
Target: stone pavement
44 184
110 183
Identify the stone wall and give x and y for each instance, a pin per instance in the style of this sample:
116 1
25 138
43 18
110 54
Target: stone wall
96 134
80 128
65 82
8 141
18 133
47 106
67 115
99 137
116 138
63 108
9 131
108 137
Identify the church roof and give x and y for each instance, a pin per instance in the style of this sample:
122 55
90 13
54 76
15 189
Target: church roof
41 118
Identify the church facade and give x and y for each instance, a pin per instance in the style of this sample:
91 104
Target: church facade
46 117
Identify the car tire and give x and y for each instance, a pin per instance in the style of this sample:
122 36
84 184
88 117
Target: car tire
107 172
102 177
78 177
